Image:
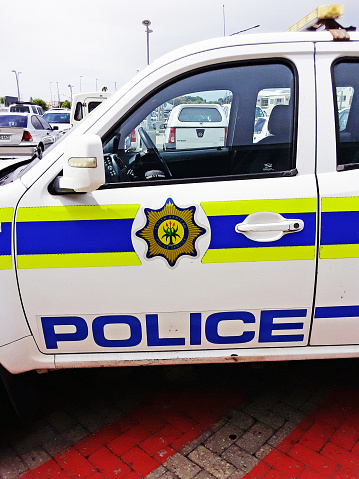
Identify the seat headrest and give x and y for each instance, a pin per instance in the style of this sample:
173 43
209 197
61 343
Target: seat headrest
280 122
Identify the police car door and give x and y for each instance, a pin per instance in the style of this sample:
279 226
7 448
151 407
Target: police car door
337 299
183 253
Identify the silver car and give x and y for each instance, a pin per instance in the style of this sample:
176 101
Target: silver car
23 134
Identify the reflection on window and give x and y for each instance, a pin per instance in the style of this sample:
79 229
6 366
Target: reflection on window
232 121
346 80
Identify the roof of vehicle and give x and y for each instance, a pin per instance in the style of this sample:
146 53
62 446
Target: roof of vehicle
248 39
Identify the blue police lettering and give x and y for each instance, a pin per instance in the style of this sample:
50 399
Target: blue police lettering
150 329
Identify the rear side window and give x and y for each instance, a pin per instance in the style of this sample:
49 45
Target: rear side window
200 115
346 96
36 123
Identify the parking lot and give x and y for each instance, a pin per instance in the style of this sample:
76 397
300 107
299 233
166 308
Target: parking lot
272 420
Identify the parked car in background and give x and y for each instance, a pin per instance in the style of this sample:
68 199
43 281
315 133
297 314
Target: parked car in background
84 103
196 126
343 118
26 107
260 128
23 134
59 117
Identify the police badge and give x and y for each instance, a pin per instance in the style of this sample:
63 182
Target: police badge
170 232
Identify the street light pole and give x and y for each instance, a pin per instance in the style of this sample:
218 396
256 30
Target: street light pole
51 92
70 86
96 83
58 93
17 83
147 23
80 81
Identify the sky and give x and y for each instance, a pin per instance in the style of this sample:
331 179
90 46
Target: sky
89 44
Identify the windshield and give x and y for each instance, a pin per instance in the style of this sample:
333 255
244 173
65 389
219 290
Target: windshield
57 117
16 121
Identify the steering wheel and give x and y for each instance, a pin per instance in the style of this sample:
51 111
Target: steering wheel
145 137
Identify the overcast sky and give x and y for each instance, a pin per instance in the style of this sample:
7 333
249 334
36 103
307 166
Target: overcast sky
56 42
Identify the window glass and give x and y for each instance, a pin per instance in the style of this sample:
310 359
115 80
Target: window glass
206 125
346 91
44 123
16 121
36 123
92 105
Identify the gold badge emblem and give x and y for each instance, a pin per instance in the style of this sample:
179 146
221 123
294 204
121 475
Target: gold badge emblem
170 232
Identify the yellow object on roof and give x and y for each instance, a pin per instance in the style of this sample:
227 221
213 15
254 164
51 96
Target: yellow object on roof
325 12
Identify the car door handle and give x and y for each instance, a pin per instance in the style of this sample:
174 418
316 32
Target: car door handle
266 226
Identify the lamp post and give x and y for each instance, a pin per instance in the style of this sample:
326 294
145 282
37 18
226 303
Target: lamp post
51 92
81 76
17 83
71 87
96 83
58 93
147 23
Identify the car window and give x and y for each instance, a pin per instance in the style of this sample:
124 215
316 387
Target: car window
15 121
36 123
57 117
92 105
203 126
20 109
200 115
44 123
346 92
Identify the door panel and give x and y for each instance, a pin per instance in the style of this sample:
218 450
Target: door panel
336 319
163 265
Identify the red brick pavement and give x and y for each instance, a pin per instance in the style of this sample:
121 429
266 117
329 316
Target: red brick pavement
324 445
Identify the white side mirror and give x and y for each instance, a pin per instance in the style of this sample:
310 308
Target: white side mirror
84 169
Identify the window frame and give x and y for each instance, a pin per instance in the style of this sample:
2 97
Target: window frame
195 71
341 166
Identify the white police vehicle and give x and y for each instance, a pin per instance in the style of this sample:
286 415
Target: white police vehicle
243 252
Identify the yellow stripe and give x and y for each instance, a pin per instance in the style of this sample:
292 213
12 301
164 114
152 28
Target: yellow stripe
79 260
6 215
238 255
337 251
247 207
5 262
77 212
340 203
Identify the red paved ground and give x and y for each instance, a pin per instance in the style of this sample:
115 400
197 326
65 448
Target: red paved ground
324 445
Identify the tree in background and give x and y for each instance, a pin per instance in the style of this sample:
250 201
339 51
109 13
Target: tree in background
2 99
41 103
66 104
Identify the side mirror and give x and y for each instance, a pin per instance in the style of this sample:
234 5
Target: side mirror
83 169
55 127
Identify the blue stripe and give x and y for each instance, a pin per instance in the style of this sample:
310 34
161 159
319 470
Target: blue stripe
5 239
223 234
65 237
337 312
340 228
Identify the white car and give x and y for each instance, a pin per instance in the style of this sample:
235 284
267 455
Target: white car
196 126
23 134
26 107
60 118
